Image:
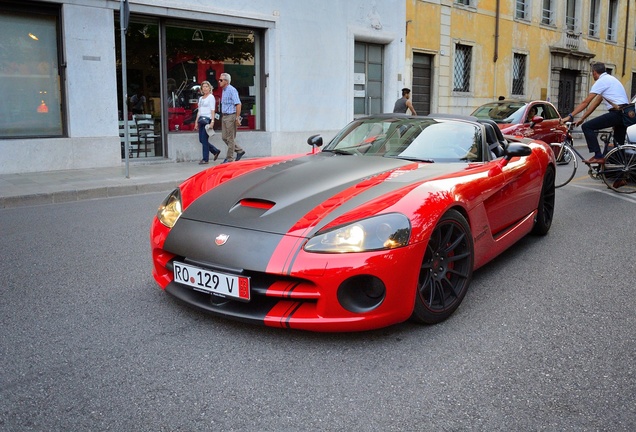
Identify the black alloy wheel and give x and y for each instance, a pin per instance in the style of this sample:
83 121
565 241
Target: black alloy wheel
545 209
446 271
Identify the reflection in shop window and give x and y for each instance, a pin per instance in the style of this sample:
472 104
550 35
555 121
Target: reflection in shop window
29 76
194 55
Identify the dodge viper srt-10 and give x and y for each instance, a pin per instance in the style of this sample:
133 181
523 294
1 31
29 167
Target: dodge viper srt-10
384 223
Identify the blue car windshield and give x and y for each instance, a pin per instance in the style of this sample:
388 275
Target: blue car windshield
423 139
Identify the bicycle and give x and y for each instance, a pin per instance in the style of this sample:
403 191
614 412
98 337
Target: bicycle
618 171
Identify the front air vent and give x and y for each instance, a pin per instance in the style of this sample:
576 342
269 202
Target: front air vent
251 207
256 203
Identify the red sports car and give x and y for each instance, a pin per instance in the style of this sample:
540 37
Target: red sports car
536 119
387 222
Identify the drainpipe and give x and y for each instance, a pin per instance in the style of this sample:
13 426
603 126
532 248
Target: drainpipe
496 56
496 53
625 44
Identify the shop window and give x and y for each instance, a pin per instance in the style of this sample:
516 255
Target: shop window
192 53
195 54
29 73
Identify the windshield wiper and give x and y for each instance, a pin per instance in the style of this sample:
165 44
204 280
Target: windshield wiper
339 152
414 159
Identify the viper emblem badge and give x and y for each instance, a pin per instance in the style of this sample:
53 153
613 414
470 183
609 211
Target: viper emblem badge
221 239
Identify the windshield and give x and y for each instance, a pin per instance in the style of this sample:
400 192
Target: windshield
426 140
502 112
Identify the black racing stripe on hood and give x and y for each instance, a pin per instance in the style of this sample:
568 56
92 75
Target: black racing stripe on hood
290 190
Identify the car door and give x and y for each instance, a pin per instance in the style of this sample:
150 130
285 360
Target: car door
514 187
549 130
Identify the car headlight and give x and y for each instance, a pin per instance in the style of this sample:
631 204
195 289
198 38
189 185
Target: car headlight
170 209
387 231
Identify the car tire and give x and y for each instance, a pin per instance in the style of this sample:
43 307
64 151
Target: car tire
446 270
545 210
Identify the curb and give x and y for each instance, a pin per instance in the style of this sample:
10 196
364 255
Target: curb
86 194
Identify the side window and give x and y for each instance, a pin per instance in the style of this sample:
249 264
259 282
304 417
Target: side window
549 113
540 110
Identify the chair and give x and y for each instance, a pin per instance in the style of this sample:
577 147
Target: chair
133 138
146 132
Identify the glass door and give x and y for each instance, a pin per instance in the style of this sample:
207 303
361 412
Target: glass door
143 119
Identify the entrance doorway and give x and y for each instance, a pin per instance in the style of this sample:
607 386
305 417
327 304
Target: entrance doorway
422 83
567 87
143 118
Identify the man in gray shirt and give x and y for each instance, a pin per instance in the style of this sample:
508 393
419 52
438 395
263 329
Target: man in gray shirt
403 103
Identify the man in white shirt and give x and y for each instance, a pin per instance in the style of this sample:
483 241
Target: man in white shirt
609 90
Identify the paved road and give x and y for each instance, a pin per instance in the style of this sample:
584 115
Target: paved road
544 341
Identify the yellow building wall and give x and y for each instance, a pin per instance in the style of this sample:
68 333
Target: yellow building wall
436 26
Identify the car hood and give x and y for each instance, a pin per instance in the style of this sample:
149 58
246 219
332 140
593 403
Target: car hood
276 197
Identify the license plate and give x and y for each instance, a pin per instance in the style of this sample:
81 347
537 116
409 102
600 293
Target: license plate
236 287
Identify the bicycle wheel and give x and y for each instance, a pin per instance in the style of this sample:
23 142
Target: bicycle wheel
619 170
566 165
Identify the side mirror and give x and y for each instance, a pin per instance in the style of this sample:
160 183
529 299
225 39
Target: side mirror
517 149
315 140
535 120
512 150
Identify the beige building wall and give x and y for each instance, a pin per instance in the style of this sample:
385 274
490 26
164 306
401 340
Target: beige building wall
495 35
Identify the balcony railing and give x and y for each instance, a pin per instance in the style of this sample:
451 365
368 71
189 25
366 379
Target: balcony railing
572 41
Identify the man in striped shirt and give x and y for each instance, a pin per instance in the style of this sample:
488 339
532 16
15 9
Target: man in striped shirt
231 117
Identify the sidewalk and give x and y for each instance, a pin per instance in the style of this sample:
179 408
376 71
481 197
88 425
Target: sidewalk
26 189
50 187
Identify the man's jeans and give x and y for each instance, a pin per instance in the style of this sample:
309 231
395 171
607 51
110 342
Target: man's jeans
609 119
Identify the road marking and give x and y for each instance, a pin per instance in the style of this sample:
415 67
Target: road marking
607 191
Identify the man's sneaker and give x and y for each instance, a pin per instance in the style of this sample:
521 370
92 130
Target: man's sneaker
239 155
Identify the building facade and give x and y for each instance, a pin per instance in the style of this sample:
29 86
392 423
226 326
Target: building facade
300 68
463 53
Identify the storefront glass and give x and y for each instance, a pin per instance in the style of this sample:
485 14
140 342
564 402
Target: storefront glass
144 88
196 54
29 75
191 54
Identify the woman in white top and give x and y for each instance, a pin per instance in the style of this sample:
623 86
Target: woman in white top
205 116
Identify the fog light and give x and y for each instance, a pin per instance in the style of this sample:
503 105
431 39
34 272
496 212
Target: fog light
361 293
